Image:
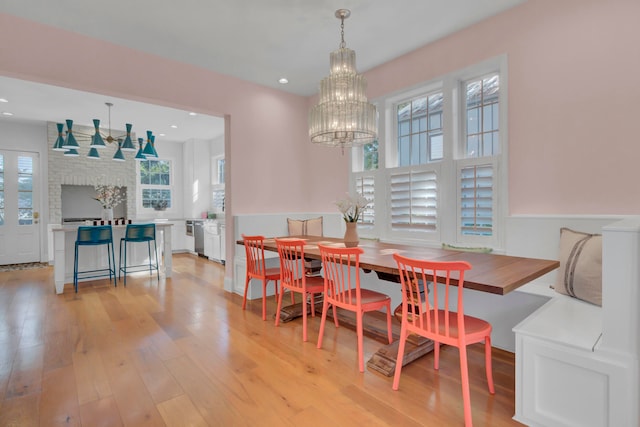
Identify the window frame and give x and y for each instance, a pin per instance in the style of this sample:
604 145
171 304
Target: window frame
140 187
454 124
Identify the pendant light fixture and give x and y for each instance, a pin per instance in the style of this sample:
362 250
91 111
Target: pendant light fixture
343 117
140 155
98 140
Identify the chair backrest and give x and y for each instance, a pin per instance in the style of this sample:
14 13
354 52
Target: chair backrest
415 274
292 269
254 248
94 235
140 232
342 283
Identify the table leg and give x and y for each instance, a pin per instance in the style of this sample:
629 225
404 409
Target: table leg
383 360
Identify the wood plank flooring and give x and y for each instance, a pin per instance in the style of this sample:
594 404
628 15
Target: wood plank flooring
182 352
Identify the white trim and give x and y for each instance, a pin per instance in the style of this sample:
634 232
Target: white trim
453 130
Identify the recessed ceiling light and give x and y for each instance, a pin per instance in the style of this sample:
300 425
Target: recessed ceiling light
4 100
283 81
174 127
6 113
162 134
193 114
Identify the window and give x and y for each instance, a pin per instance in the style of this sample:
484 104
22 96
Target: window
419 130
483 117
438 160
155 184
370 152
25 190
217 183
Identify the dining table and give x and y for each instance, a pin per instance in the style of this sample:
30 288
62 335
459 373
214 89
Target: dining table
492 273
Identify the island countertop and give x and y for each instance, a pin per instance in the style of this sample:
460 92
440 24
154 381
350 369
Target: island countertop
64 242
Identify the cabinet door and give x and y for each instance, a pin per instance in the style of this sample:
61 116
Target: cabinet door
215 246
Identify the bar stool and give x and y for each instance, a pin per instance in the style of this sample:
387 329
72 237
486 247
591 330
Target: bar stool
94 236
136 233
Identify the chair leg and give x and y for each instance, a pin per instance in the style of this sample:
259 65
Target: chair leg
466 396
279 307
325 309
125 263
75 270
112 262
120 261
335 315
488 364
389 327
313 306
246 288
400 356
149 250
304 317
264 299
360 341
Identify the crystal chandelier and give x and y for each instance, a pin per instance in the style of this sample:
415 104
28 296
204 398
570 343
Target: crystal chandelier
343 117
69 143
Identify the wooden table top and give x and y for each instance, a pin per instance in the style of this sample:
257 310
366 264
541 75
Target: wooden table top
496 274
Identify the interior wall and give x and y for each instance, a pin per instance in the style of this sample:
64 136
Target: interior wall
268 128
572 92
573 67
79 170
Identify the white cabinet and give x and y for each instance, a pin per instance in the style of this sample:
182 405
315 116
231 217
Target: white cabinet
214 241
178 235
197 177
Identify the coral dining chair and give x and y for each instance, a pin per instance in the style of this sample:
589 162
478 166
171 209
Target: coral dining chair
342 290
435 318
256 269
294 278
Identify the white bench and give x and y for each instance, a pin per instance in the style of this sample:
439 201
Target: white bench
577 363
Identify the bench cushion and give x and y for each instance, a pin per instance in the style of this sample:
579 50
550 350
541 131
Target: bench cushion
580 274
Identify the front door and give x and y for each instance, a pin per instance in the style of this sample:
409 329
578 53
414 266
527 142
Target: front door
19 210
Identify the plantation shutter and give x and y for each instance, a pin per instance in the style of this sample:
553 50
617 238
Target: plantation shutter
476 200
365 186
414 200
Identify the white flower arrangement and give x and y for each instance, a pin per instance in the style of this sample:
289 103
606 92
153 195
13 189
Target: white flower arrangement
352 207
109 196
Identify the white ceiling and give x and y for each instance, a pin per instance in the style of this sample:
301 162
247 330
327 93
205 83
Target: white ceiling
255 40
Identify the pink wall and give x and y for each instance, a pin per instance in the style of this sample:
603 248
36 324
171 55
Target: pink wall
574 91
269 146
574 67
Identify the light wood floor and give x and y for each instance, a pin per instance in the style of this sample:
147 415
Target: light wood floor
183 353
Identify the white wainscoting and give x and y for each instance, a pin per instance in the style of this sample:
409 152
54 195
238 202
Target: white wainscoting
530 236
271 225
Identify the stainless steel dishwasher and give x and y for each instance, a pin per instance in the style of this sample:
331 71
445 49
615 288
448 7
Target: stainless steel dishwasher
198 236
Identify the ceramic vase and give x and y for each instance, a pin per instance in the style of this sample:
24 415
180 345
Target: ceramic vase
351 239
107 214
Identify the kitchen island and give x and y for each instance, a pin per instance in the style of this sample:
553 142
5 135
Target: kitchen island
64 238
